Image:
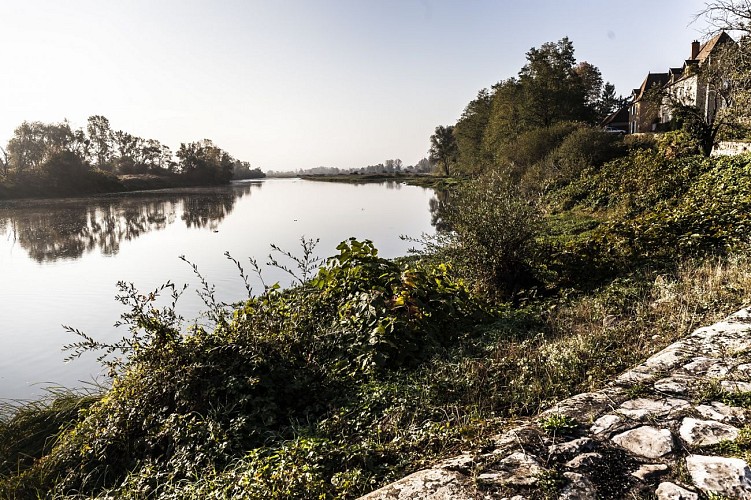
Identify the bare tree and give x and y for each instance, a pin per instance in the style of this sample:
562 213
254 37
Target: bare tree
727 15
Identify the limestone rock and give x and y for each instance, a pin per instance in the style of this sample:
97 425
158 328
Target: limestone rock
676 384
706 432
579 487
517 469
730 477
584 460
571 447
588 405
642 408
671 491
649 471
646 441
462 463
637 375
668 358
606 424
735 386
722 413
700 365
435 484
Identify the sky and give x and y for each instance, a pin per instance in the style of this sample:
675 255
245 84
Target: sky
296 84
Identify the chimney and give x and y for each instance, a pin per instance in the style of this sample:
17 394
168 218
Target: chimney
695 46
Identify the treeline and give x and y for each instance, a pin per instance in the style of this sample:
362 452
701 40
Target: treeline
497 127
54 159
391 166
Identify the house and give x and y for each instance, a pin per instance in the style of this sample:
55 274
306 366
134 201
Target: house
618 120
682 85
644 113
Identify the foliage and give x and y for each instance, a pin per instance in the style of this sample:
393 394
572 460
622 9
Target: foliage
55 160
678 143
558 424
492 236
443 148
505 126
187 401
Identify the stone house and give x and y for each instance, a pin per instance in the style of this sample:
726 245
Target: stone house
683 84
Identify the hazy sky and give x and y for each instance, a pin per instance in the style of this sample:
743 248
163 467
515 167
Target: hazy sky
287 84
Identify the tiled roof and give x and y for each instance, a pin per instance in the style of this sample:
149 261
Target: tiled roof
708 46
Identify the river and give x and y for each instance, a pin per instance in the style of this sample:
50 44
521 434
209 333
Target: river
60 260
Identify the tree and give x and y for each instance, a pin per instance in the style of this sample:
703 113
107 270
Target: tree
552 91
100 142
34 142
729 70
4 166
424 166
469 133
205 162
443 149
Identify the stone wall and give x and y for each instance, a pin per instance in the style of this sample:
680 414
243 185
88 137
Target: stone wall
665 429
731 148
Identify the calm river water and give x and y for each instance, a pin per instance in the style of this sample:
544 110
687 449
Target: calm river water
60 260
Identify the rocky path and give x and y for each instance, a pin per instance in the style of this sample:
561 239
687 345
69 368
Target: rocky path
673 427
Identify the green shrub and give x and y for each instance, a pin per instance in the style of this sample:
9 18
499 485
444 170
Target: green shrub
185 403
493 236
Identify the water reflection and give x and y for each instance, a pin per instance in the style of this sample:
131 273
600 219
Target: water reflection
52 230
439 206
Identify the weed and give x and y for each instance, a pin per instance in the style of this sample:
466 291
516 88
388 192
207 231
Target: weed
557 424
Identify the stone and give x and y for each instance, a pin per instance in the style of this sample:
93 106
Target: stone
642 408
730 477
668 358
606 424
649 471
462 463
699 366
637 375
579 487
571 447
671 491
646 441
510 439
676 384
722 413
584 460
517 469
436 484
706 432
586 406
735 386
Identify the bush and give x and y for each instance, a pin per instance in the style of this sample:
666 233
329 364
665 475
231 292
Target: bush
493 234
533 146
185 403
583 148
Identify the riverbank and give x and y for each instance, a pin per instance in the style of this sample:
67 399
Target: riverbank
372 369
95 183
422 180
675 426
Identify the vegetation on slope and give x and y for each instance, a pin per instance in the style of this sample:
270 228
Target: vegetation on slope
566 258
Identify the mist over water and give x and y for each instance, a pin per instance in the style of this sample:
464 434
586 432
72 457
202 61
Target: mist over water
60 260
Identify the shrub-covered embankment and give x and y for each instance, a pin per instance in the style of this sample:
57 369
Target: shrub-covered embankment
369 369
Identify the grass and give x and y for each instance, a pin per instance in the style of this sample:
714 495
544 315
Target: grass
29 431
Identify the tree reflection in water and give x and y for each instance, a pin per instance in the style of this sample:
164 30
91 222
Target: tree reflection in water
438 206
51 230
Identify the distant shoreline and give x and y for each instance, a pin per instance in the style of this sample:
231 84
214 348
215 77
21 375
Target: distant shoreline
111 184
411 179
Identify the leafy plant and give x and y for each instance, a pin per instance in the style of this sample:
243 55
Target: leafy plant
557 424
